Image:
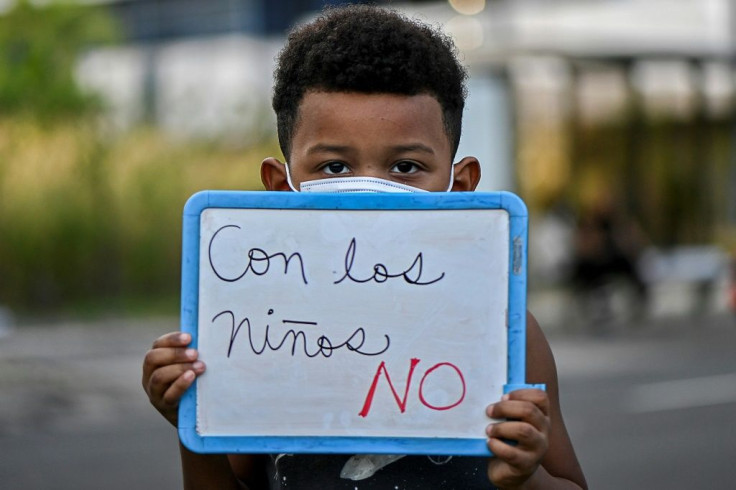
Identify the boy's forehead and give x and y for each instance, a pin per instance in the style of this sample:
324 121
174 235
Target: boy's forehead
345 112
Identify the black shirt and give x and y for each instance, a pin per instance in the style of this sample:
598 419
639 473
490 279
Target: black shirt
320 472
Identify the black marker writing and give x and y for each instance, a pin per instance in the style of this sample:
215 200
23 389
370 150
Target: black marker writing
259 261
381 274
324 346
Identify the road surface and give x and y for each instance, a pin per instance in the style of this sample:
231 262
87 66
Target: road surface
648 407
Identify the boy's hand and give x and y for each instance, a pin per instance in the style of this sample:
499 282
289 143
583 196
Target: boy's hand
169 368
528 424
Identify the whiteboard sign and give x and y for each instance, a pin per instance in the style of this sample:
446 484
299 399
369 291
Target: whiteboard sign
351 323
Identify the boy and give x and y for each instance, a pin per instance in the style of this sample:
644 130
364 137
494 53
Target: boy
364 96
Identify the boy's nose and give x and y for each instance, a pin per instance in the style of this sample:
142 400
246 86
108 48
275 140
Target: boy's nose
371 170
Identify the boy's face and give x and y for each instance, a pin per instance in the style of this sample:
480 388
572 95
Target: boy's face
394 137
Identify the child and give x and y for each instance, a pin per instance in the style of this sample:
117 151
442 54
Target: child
364 92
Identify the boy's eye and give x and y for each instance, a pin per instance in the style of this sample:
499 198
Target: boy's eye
405 167
334 168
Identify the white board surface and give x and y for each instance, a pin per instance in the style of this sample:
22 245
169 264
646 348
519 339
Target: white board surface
377 323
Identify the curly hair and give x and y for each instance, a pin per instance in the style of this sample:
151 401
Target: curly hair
367 49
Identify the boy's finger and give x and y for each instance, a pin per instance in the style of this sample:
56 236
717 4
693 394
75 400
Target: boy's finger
509 461
498 468
172 396
164 356
173 339
526 435
532 395
519 410
162 378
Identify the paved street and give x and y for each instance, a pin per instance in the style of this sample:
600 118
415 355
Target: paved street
653 409
650 407
73 414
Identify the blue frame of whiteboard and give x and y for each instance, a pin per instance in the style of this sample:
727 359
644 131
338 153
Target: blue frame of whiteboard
518 227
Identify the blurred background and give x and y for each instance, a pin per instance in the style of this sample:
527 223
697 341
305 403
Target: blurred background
614 120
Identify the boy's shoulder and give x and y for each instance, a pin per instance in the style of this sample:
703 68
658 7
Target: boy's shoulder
540 361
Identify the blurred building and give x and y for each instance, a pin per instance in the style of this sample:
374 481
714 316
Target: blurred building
195 67
158 20
572 102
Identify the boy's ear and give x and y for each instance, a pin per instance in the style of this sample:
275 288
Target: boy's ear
273 175
467 175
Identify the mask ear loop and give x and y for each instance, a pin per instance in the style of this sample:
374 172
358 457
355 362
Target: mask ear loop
288 177
452 178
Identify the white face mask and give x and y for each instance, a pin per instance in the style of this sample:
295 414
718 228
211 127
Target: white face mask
357 184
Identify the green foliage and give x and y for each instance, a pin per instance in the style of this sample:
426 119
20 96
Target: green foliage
39 46
86 219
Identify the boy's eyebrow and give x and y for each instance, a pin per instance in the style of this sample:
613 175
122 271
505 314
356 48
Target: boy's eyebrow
322 147
413 147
